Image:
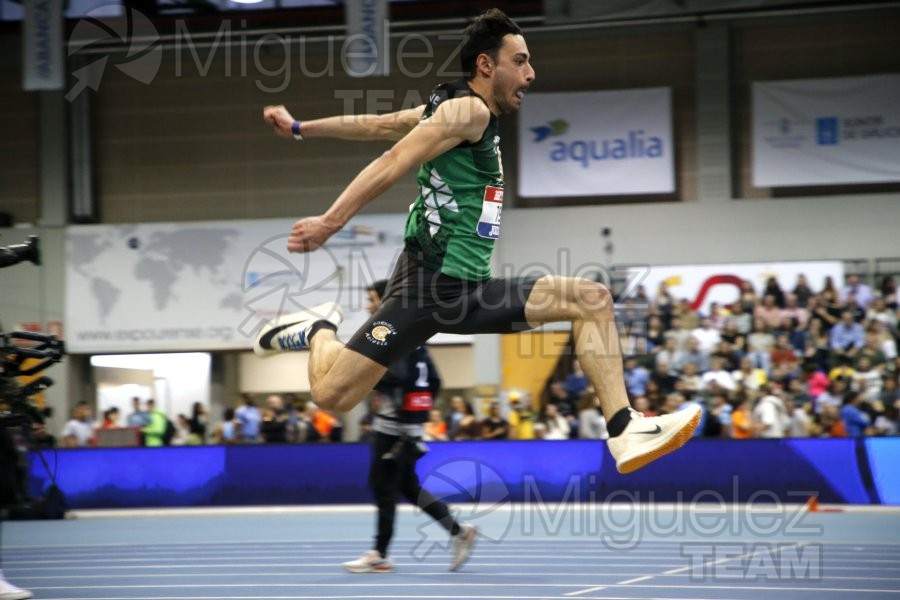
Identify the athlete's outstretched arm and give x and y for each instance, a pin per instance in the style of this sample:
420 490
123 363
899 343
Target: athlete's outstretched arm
455 121
390 126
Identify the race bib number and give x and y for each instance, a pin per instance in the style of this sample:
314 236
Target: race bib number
489 222
417 401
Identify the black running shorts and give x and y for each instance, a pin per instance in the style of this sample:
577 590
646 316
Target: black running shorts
420 302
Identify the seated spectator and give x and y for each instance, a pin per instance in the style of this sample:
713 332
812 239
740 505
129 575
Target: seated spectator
469 427
664 305
664 377
731 356
706 335
783 354
521 418
228 431
740 320
457 414
815 381
690 382
557 426
847 336
769 312
182 431
717 379
773 289
693 355
689 318
655 394
818 346
680 334
759 345
801 425
867 380
770 415
110 418
856 422
718 316
802 292
879 312
250 417
656 334
559 397
793 310
636 378
494 427
78 431
857 291
645 406
742 421
198 424
591 423
718 422
576 381
871 350
670 356
435 427
831 424
833 396
155 431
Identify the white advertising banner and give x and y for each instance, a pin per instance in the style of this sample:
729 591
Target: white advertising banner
826 131
596 143
705 284
42 57
205 286
366 49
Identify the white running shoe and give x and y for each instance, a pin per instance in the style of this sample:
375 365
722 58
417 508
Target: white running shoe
10 592
370 562
647 438
291 332
463 542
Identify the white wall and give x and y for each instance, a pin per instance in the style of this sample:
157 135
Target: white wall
180 379
845 227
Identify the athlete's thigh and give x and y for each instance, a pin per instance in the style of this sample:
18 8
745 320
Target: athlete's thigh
398 327
556 298
494 306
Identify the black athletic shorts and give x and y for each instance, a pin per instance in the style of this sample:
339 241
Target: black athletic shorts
420 302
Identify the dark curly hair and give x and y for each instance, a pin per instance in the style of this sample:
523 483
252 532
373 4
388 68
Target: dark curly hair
485 36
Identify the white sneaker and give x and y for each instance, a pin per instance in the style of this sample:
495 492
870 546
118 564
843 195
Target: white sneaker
463 542
10 592
370 562
291 332
647 438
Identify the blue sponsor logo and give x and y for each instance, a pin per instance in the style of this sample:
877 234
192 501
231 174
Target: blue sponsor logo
634 145
827 133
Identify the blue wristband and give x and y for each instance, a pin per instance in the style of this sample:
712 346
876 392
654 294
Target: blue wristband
295 129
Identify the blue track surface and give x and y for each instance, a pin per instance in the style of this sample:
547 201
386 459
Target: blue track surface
523 553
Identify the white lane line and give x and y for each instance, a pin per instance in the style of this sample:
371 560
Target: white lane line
587 591
635 580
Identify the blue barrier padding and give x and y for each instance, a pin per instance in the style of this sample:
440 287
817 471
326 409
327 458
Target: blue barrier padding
756 471
884 460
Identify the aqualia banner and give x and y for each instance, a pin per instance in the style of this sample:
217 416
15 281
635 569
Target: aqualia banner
826 131
596 143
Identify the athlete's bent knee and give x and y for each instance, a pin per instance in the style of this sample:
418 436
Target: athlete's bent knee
591 296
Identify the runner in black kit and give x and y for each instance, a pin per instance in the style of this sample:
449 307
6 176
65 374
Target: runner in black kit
442 281
408 388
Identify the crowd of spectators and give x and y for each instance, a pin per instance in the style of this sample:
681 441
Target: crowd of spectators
775 363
